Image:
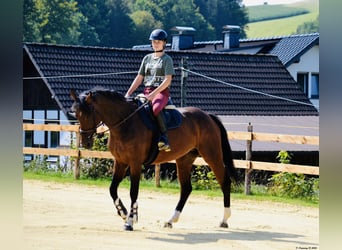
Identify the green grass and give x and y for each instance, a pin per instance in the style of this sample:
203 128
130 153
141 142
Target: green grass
282 26
268 12
166 187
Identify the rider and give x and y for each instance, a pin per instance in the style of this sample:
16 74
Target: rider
156 71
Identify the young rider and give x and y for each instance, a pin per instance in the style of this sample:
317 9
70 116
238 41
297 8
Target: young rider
156 71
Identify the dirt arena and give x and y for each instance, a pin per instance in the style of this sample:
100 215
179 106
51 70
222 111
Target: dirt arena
69 216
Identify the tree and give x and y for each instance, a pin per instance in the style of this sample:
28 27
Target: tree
96 12
185 13
124 23
150 6
88 35
31 19
52 21
59 24
144 24
120 28
223 12
308 27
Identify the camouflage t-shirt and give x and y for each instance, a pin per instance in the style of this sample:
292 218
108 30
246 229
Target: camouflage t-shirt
154 69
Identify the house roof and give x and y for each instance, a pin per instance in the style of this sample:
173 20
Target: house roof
220 83
290 49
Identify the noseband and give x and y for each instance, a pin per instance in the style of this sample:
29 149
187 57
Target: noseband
91 131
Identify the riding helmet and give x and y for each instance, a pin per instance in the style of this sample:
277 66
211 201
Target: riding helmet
158 34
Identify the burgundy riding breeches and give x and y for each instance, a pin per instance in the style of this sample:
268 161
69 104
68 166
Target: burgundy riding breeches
160 101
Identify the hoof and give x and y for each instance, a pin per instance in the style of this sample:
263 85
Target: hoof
168 225
128 227
224 225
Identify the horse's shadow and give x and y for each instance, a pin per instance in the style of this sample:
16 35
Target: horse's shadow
245 235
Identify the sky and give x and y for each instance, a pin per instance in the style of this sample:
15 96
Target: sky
259 2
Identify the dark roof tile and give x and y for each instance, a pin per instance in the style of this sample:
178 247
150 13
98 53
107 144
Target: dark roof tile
261 73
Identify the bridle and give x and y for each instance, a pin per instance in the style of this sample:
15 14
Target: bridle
92 131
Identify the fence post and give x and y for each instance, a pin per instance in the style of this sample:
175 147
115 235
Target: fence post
248 171
77 161
157 174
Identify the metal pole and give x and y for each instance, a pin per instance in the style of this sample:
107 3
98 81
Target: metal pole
184 78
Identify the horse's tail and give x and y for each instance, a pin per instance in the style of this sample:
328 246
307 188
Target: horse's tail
226 150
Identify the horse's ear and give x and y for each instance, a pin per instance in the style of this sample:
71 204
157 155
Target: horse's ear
88 98
73 95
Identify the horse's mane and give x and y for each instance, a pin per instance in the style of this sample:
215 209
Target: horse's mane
108 93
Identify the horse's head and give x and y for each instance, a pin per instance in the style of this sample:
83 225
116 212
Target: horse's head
86 115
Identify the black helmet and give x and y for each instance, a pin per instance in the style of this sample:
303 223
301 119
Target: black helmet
158 34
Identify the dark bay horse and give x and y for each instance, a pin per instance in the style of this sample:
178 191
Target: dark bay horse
200 134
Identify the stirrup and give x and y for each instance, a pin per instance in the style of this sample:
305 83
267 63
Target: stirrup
162 146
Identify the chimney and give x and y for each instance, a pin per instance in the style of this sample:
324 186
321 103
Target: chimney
183 38
231 36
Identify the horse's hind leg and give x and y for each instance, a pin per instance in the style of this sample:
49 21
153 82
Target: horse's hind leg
226 188
118 175
215 162
184 165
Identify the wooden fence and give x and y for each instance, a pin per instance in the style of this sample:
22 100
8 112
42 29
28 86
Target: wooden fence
247 164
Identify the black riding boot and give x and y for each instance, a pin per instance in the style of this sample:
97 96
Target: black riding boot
163 143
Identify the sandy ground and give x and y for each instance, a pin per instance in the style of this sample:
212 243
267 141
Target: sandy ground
69 216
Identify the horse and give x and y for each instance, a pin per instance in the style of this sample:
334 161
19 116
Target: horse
200 134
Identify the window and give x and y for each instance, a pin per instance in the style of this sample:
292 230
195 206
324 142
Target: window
38 136
53 136
52 115
314 86
28 139
310 86
28 135
302 80
53 139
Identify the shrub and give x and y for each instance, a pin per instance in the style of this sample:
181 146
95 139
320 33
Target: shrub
293 185
95 168
38 165
203 178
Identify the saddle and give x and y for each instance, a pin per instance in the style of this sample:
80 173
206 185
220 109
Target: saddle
173 119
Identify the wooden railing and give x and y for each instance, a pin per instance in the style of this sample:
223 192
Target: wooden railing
233 135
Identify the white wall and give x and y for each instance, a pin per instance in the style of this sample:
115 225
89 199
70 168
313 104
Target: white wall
309 63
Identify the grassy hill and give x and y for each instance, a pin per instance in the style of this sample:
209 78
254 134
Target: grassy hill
278 20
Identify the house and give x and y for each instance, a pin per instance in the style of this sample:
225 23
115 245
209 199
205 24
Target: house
237 87
298 53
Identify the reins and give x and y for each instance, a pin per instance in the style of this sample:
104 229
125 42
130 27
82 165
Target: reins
112 126
127 118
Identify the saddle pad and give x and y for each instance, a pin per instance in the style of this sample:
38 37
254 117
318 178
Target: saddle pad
173 118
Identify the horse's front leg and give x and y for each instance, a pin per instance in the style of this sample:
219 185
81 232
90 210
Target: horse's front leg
134 190
118 175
